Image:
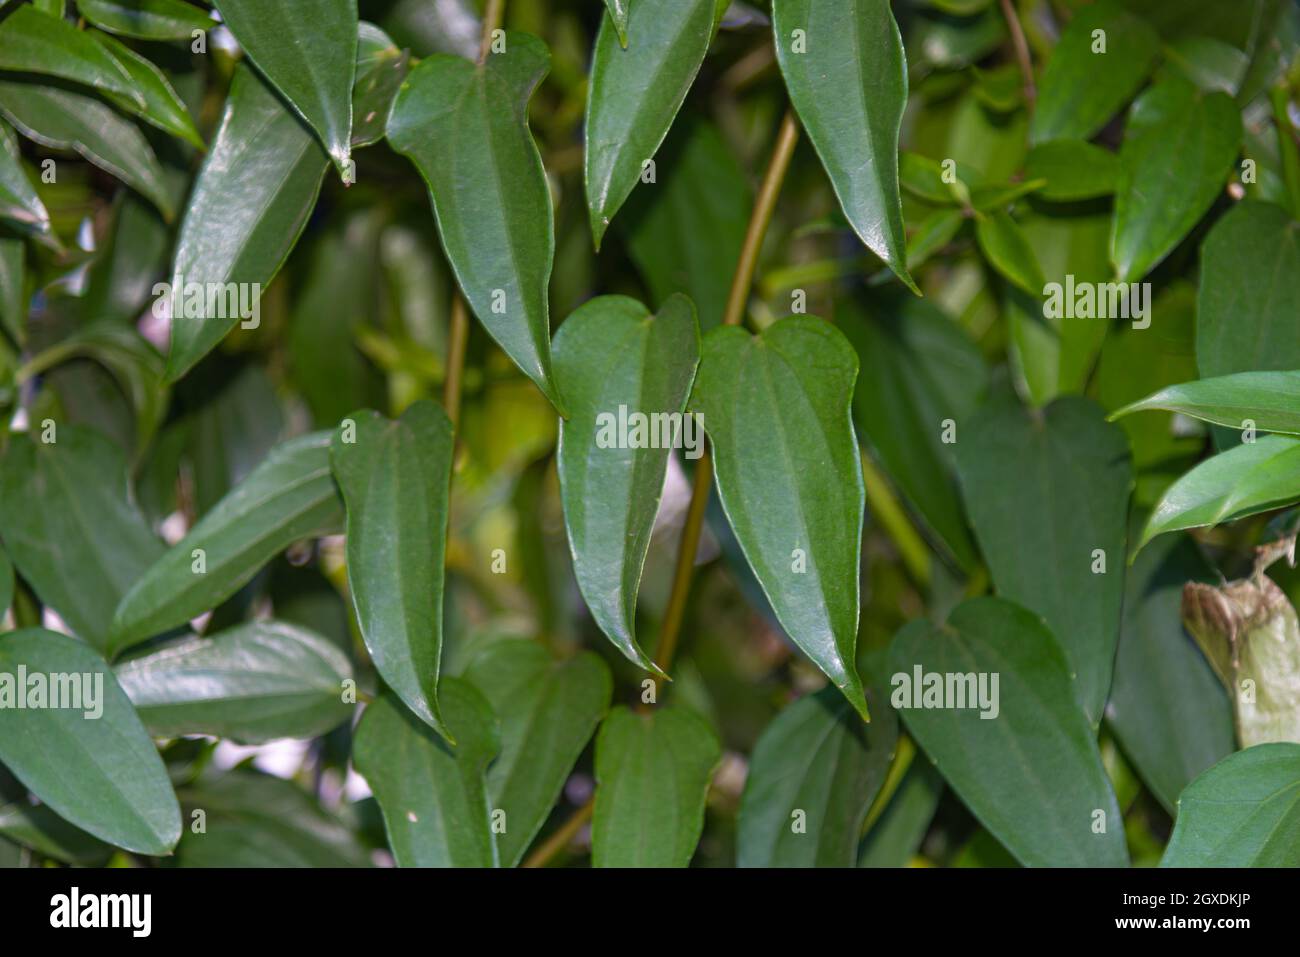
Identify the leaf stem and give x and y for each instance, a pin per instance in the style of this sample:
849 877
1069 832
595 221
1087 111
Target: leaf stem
492 17
1022 53
887 511
457 336
559 840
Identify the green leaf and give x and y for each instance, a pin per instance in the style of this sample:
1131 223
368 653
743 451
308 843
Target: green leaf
849 87
813 774
1081 90
307 49
1073 169
1178 149
652 776
70 526
162 107
35 42
616 363
1250 283
1166 707
258 185
548 710
771 404
1032 775
932 234
918 370
1046 491
146 19
618 14
236 425
13 289
685 234
1008 251
252 684
103 775
19 203
289 497
434 797
255 820
1270 400
488 188
896 836
1250 478
6 581
636 89
38 827
1243 812
120 280
64 120
381 71
395 476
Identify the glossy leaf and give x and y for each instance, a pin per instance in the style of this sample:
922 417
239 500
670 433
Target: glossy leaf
1269 400
65 510
1009 252
395 477
548 710
488 188
770 403
1243 812
847 77
1073 170
652 776
812 776
1047 493
1250 283
253 683
19 203
32 41
307 49
1251 478
1178 149
1032 775
289 497
64 120
637 86
618 14
381 70
146 19
1081 89
257 187
616 363
162 107
102 775
1166 707
434 797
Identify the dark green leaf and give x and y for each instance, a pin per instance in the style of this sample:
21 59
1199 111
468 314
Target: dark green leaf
434 797
1073 169
13 288
162 107
381 70
896 836
6 581
636 89
616 363
812 776
35 42
290 496
1032 773
19 203
771 403
1081 90
652 776
235 427
847 76
103 774
1047 492
70 526
1269 400
308 51
257 187
548 710
1243 812
253 683
488 188
1008 251
146 19
37 827
395 476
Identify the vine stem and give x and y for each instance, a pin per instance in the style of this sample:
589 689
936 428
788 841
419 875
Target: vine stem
741 281
1022 52
457 336
492 18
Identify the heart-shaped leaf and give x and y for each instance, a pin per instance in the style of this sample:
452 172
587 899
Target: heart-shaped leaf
488 188
433 796
252 684
625 375
1020 753
548 710
395 476
307 49
771 404
289 497
636 88
844 66
652 776
79 746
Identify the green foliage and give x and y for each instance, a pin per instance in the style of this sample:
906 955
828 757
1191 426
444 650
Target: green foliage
811 433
